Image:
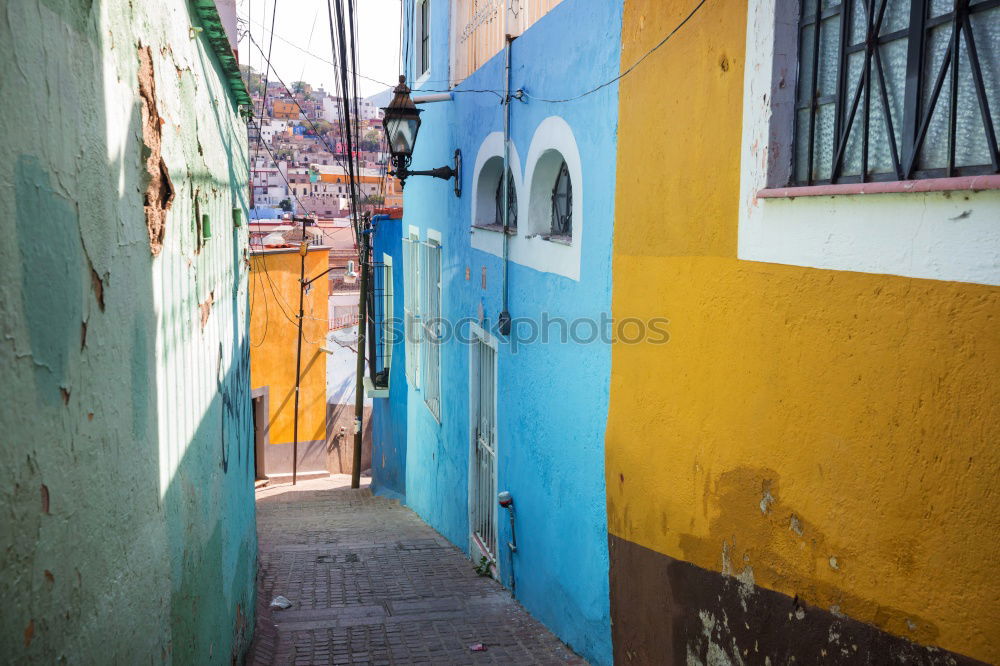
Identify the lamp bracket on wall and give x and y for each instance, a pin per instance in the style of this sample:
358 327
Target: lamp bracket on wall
402 171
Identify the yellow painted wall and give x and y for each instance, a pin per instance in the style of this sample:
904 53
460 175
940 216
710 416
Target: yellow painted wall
274 304
861 411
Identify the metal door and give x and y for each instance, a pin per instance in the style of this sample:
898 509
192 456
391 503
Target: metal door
483 502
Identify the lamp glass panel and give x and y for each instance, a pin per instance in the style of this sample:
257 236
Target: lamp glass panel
402 133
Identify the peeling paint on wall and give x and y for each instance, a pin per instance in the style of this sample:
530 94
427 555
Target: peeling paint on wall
159 192
119 511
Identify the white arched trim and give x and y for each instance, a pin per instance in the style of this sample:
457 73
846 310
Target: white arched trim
486 174
528 247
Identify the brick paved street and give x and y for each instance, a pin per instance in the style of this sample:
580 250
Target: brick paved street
371 583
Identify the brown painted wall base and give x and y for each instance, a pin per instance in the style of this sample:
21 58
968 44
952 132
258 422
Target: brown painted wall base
340 446
666 611
278 457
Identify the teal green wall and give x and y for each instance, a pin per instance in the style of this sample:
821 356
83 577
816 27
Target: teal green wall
126 510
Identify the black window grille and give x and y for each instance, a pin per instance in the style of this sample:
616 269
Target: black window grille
896 90
562 203
511 202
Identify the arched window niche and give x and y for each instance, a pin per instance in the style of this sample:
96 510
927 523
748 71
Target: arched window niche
487 204
550 209
555 185
552 184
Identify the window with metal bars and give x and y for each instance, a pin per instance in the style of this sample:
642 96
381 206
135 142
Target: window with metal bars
511 202
431 318
897 90
562 203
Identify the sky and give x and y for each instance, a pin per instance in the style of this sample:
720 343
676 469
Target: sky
303 25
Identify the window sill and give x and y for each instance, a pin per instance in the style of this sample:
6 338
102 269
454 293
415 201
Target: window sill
371 391
958 184
430 410
561 240
496 228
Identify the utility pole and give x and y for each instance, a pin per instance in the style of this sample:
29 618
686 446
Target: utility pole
359 389
303 251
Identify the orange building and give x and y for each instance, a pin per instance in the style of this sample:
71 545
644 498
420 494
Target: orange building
274 301
333 181
286 109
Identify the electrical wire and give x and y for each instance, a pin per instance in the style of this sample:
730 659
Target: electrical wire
312 124
267 308
631 68
348 98
322 138
302 72
277 168
263 99
313 55
405 48
278 301
288 186
320 58
282 304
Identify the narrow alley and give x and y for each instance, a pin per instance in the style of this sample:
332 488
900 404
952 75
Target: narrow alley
370 583
611 332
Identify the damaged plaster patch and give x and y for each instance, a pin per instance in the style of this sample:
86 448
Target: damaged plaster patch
709 645
767 499
98 286
199 235
206 308
745 578
795 525
159 192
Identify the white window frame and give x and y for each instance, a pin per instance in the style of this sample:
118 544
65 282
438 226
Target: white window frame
430 299
388 319
411 305
421 69
949 236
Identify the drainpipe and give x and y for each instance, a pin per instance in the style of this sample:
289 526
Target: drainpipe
505 313
506 501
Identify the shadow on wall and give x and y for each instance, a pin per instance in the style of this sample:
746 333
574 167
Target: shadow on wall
340 438
340 394
100 561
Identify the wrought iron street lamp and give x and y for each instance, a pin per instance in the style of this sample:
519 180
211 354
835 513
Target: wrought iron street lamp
402 123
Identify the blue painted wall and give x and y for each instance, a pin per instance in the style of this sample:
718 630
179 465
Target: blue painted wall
389 414
552 398
266 213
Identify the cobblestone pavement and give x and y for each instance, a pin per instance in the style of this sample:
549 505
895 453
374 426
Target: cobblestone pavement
371 583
